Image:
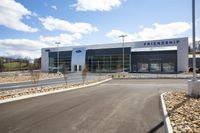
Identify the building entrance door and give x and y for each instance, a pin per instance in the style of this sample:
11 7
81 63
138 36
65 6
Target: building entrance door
77 68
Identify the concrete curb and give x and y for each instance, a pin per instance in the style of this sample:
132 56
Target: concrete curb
52 92
154 78
167 124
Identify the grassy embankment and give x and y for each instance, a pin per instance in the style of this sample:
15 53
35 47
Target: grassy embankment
15 66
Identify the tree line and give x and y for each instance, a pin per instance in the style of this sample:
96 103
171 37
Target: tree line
18 64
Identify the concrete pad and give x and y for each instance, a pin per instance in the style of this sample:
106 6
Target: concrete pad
194 88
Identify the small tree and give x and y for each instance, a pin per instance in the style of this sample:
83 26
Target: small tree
84 74
119 68
35 74
99 70
1 65
65 74
37 63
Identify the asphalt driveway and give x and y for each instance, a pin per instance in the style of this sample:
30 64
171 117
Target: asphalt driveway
72 78
117 106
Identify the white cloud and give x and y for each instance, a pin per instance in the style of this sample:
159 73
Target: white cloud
11 15
54 7
34 14
51 24
32 48
114 34
21 48
75 30
157 31
96 5
164 30
141 26
62 38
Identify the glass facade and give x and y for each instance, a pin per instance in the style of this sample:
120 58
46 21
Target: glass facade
154 62
108 60
64 61
143 67
111 60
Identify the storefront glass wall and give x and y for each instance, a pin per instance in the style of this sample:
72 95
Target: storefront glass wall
64 61
107 60
154 62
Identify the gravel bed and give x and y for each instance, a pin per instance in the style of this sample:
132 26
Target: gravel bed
127 75
183 111
28 91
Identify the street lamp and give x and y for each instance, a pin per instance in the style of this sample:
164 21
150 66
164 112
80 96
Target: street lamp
194 78
123 36
57 56
194 84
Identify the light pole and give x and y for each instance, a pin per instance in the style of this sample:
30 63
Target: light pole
57 56
123 36
194 78
194 84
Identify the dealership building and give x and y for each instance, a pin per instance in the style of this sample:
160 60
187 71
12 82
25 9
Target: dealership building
154 56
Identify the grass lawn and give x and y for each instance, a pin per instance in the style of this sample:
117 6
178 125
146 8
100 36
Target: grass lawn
14 66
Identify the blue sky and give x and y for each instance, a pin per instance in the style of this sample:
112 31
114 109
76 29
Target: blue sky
28 25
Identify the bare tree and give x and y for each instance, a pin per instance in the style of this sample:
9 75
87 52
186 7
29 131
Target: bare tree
84 74
65 74
119 69
99 70
35 74
1 64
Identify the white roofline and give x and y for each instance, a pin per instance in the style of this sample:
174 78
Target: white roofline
136 44
167 48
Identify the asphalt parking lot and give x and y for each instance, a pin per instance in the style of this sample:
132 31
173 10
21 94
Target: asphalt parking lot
117 106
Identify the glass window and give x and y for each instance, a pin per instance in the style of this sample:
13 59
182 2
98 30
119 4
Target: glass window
155 67
168 67
143 67
80 68
64 60
156 61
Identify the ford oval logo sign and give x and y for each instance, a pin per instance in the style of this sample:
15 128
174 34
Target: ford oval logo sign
78 51
47 50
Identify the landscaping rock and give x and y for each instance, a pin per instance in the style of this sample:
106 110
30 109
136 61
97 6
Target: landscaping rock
183 111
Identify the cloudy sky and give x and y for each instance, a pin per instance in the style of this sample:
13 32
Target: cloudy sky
28 25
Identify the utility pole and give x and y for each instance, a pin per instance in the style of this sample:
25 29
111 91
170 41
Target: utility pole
57 56
123 36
